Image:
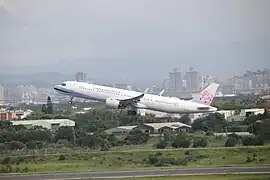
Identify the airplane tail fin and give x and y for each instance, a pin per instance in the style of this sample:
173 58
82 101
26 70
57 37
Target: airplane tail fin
207 95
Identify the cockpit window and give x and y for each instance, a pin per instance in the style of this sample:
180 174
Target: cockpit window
63 84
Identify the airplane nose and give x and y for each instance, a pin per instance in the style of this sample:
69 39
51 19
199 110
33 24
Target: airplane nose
56 87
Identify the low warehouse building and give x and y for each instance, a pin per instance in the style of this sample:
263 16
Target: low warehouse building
121 131
52 124
150 128
160 127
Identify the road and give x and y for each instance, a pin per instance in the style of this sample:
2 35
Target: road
138 173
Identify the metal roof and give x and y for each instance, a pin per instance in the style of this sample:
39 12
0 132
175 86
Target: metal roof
173 125
50 121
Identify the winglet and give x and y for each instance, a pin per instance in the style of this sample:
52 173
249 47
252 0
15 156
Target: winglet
207 95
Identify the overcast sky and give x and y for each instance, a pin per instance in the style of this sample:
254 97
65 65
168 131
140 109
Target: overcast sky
208 34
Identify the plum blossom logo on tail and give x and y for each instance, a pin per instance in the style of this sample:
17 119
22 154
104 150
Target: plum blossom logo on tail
206 97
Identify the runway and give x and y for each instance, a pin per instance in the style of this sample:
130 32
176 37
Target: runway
138 173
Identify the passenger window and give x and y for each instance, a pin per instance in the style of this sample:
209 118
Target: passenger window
63 84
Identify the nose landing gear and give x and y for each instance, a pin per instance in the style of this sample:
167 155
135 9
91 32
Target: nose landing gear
71 99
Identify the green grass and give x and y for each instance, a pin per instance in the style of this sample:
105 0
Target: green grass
140 159
206 177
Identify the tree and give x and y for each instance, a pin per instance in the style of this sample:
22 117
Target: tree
64 132
213 122
44 109
185 119
49 106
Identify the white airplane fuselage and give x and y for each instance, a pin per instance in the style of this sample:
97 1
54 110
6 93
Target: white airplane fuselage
148 101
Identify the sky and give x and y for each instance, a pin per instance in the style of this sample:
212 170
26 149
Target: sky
215 36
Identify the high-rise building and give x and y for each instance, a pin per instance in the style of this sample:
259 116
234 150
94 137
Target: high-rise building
81 77
192 80
165 85
2 95
206 81
123 86
175 81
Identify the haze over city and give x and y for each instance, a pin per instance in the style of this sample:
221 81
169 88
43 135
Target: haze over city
134 39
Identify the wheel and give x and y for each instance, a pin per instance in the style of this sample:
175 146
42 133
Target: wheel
70 102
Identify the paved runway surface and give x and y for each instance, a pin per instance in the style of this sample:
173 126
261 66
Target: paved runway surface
138 173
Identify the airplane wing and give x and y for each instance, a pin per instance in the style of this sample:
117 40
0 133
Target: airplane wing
131 101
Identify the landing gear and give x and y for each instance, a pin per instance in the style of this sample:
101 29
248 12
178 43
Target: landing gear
70 102
132 112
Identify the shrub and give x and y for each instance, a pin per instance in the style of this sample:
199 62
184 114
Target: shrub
181 141
201 142
6 160
209 133
34 145
161 145
231 142
234 135
62 157
248 141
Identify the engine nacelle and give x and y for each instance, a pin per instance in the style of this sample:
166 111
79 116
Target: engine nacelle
112 103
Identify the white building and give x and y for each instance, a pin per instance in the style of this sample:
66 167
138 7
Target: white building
52 124
248 112
228 114
158 114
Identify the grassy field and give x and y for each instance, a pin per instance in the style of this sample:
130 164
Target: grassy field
212 177
143 159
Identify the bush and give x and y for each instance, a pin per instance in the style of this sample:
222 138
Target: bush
6 160
201 142
62 157
259 141
209 133
248 141
161 145
231 142
234 135
34 145
253 141
181 141
185 143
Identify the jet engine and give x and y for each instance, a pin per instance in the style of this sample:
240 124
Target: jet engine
112 103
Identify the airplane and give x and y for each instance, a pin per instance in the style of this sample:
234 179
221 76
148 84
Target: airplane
132 100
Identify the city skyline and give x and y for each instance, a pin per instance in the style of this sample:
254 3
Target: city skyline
224 37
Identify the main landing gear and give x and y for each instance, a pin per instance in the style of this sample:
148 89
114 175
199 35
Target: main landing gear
132 112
